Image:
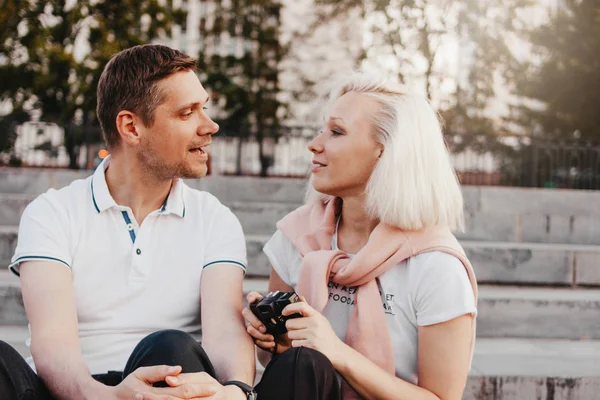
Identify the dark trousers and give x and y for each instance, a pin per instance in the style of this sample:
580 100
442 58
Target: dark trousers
168 347
297 374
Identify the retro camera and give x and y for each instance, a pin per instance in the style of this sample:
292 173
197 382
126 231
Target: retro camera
268 310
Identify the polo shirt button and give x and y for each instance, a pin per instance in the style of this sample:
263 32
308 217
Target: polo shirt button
138 252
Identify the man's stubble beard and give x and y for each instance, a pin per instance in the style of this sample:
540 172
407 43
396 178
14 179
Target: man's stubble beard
155 167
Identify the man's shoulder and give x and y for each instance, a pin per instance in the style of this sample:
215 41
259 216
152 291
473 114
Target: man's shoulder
64 198
200 200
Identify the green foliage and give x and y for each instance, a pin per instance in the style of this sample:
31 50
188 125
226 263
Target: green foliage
39 67
567 80
242 71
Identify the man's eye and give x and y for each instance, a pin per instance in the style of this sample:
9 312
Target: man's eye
188 114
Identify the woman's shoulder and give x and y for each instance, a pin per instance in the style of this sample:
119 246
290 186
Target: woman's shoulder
435 266
302 220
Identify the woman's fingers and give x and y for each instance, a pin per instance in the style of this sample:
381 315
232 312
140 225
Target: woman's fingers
299 308
257 335
253 320
269 346
253 296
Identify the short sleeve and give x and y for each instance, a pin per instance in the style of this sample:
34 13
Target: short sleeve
283 257
443 290
43 233
225 239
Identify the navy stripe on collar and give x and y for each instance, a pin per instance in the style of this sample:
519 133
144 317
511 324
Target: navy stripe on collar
94 197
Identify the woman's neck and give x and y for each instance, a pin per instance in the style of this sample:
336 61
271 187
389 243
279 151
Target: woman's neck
355 225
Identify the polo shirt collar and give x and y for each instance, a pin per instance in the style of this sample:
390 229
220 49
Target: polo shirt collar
174 204
102 199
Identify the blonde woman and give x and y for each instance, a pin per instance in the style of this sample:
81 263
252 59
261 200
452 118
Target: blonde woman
389 295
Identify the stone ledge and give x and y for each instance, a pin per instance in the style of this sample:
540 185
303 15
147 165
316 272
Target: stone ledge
259 216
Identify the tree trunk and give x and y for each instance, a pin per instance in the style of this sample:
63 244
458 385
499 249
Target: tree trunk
238 160
264 163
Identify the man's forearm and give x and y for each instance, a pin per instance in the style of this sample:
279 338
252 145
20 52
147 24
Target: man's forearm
232 355
67 377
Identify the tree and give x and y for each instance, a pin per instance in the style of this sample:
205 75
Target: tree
414 37
412 33
565 75
44 65
241 53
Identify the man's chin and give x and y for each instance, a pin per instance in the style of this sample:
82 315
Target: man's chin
194 173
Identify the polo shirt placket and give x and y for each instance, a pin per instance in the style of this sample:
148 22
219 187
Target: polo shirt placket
141 252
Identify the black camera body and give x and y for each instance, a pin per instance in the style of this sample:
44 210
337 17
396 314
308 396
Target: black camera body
268 311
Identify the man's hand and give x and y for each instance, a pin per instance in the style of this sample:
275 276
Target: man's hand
201 385
138 385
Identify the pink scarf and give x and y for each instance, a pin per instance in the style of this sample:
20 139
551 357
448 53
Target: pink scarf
311 228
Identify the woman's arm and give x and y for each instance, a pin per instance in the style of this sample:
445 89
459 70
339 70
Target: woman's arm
444 356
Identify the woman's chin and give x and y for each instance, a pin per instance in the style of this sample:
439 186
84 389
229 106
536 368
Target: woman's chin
325 190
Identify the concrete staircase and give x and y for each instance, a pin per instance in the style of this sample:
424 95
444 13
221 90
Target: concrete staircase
536 254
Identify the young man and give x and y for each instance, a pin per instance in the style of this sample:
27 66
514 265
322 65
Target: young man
117 269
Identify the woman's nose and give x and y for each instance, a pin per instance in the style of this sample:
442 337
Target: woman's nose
315 145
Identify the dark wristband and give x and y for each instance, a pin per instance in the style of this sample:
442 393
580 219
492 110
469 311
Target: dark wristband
249 390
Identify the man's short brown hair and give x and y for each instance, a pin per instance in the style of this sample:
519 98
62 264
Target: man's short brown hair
129 82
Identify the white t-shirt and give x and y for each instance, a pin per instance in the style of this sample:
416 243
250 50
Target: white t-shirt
424 290
129 280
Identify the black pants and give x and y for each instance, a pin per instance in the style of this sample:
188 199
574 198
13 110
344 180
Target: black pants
297 374
168 347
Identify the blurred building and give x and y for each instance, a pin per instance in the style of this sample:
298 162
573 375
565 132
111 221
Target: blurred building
316 51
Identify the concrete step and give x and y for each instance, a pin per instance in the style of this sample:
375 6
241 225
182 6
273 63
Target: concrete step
499 262
244 188
525 312
260 217
507 369
504 311
516 369
494 262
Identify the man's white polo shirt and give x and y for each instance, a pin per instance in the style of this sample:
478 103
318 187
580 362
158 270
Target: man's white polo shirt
129 280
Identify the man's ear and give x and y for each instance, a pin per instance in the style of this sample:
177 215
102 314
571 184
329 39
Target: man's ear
126 126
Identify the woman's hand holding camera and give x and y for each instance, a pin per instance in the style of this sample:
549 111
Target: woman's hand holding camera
314 331
257 330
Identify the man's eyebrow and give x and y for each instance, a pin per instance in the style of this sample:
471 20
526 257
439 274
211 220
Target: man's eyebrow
194 104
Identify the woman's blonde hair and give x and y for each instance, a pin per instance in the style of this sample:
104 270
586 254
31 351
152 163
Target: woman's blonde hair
413 184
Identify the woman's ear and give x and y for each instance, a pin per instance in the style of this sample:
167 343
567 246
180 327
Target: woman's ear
380 151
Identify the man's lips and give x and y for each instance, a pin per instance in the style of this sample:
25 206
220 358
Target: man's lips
199 149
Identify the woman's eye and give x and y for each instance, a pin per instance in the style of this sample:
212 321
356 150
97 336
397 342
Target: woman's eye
336 132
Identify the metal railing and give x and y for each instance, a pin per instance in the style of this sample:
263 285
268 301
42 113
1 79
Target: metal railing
499 161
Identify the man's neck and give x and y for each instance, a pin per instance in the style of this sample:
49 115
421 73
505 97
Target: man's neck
131 186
